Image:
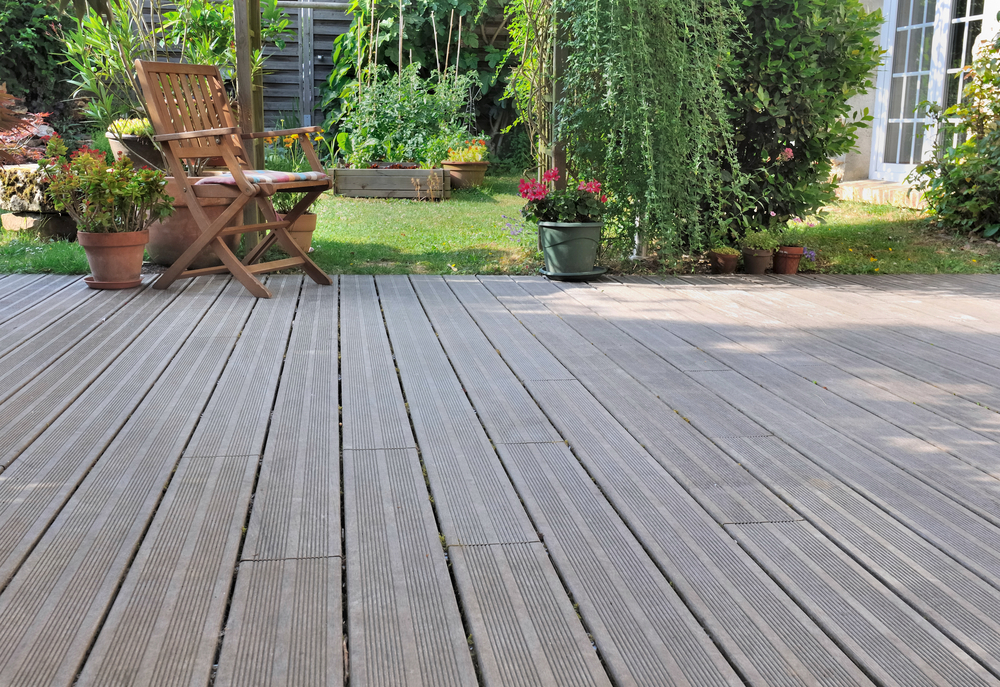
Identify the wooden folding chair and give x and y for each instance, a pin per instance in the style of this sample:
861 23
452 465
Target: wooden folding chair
189 110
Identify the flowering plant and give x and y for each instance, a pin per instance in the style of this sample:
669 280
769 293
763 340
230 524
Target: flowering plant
583 203
100 198
131 127
474 151
284 154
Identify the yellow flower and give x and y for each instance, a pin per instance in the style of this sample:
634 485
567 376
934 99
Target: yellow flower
851 250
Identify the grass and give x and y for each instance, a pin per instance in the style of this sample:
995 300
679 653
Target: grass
859 238
480 232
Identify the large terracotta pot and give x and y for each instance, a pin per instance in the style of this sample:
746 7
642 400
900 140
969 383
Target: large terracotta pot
170 237
302 230
786 260
466 174
115 258
723 263
756 261
139 149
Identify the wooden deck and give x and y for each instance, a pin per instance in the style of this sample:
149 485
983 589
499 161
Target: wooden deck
501 481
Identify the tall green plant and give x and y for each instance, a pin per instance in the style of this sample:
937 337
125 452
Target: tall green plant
793 74
643 109
30 60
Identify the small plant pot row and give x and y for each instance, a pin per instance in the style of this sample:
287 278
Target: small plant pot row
783 261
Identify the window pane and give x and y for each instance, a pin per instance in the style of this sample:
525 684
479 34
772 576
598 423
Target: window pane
957 34
959 9
903 13
910 101
917 14
899 52
925 59
977 8
952 85
922 98
975 28
896 96
891 141
913 53
918 144
930 11
905 143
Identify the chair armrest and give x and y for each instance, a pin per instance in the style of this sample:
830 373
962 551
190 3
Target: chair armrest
204 133
283 132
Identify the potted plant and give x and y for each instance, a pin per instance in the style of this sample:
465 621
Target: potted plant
791 249
723 259
758 250
133 138
283 154
569 225
113 206
466 164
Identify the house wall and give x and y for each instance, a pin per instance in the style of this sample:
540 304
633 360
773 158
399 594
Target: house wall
856 164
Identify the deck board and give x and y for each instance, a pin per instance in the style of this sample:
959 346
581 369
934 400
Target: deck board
178 585
404 624
689 481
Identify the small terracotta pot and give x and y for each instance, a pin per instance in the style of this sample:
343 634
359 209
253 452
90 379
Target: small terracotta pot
756 261
115 258
302 230
723 263
786 260
466 174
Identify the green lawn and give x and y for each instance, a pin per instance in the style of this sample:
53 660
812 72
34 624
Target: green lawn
480 232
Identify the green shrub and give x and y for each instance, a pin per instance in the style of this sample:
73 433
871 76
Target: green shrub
760 240
793 74
406 118
31 53
961 182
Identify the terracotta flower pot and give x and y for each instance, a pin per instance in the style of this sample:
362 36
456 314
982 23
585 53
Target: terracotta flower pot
115 258
139 149
170 237
723 263
756 261
302 230
466 174
786 260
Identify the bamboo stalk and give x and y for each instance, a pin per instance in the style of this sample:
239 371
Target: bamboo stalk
458 46
447 55
399 63
437 53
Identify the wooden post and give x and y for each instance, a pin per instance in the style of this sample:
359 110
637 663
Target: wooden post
250 87
559 54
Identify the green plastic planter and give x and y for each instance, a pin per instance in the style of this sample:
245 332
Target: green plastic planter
570 248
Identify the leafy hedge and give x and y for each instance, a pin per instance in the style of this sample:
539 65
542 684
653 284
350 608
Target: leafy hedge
31 52
795 69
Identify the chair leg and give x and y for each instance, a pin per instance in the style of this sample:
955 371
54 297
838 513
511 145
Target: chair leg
239 270
208 234
286 241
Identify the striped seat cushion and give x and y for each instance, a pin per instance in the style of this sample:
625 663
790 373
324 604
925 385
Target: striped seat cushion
264 176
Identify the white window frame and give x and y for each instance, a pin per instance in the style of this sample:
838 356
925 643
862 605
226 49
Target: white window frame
883 83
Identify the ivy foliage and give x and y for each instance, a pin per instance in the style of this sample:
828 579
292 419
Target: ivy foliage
644 111
31 53
961 181
792 74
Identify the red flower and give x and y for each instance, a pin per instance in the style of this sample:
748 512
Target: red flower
551 175
604 199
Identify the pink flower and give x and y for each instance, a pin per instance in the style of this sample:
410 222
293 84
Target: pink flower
604 199
551 175
772 213
581 187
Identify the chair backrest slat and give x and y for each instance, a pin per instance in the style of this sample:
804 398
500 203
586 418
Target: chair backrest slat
188 97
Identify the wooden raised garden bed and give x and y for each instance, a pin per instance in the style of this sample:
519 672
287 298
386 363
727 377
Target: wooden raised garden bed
421 184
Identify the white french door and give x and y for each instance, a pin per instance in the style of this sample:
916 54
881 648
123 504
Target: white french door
928 43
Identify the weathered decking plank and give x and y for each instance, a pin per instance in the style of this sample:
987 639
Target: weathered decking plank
722 586
521 620
285 622
643 630
177 588
44 315
403 619
56 384
55 604
16 303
